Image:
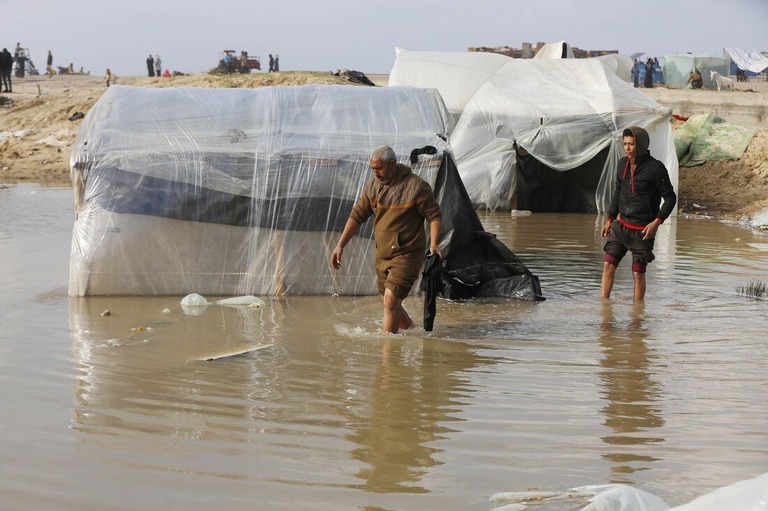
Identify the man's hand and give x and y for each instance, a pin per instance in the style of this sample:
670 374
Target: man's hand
436 250
336 258
606 229
650 230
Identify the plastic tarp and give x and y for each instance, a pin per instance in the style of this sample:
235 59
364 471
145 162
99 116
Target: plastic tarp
228 192
619 64
707 137
746 495
551 128
556 50
677 69
753 60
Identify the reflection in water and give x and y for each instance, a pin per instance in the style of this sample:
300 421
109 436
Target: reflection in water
143 374
413 394
631 392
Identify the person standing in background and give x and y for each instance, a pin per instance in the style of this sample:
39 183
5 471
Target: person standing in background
277 62
271 63
6 69
49 65
150 66
636 74
158 66
648 82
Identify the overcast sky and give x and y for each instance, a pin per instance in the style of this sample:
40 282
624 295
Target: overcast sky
327 35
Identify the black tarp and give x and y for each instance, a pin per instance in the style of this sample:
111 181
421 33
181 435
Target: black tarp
476 263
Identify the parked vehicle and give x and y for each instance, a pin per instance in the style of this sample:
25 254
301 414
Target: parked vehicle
232 62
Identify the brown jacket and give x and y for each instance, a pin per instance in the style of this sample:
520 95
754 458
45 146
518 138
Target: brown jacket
399 209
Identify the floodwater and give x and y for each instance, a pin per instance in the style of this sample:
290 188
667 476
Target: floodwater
122 412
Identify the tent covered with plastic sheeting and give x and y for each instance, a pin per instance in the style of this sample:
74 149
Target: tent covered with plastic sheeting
619 64
753 61
245 191
677 69
556 50
540 135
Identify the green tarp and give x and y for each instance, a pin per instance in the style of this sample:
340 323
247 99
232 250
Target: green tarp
707 137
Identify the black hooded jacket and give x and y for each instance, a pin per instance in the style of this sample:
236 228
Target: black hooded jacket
636 197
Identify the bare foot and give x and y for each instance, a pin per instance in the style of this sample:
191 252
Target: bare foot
408 323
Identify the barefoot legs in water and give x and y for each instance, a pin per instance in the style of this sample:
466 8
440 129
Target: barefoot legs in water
395 316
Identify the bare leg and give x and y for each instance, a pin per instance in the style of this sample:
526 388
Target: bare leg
639 286
395 316
609 274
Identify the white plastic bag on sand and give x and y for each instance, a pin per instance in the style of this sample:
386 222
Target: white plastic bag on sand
246 301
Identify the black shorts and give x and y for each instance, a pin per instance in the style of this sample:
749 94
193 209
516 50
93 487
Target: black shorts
622 239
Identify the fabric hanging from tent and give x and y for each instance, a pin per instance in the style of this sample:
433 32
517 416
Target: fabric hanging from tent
748 60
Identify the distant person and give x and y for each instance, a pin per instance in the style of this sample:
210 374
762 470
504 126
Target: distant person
49 65
694 79
648 73
21 62
635 212
271 63
166 73
277 63
400 202
636 74
6 69
227 62
150 65
109 77
244 62
158 66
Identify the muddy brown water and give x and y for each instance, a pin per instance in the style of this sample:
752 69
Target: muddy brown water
122 411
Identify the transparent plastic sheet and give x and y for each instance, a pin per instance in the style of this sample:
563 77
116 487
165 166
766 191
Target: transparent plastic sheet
747 495
563 112
244 191
677 68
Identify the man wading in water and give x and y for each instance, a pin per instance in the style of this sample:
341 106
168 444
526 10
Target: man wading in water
399 202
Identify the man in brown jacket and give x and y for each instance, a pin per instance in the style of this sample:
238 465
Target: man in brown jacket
399 201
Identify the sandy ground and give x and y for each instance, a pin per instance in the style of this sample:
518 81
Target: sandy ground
36 135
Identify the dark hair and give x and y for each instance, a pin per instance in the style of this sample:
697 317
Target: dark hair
628 133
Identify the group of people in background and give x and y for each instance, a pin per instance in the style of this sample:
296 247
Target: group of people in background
650 65
274 63
154 65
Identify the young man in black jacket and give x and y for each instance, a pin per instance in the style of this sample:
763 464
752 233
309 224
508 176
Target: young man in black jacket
636 211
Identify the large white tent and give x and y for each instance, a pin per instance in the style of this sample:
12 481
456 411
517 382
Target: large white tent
538 134
246 191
